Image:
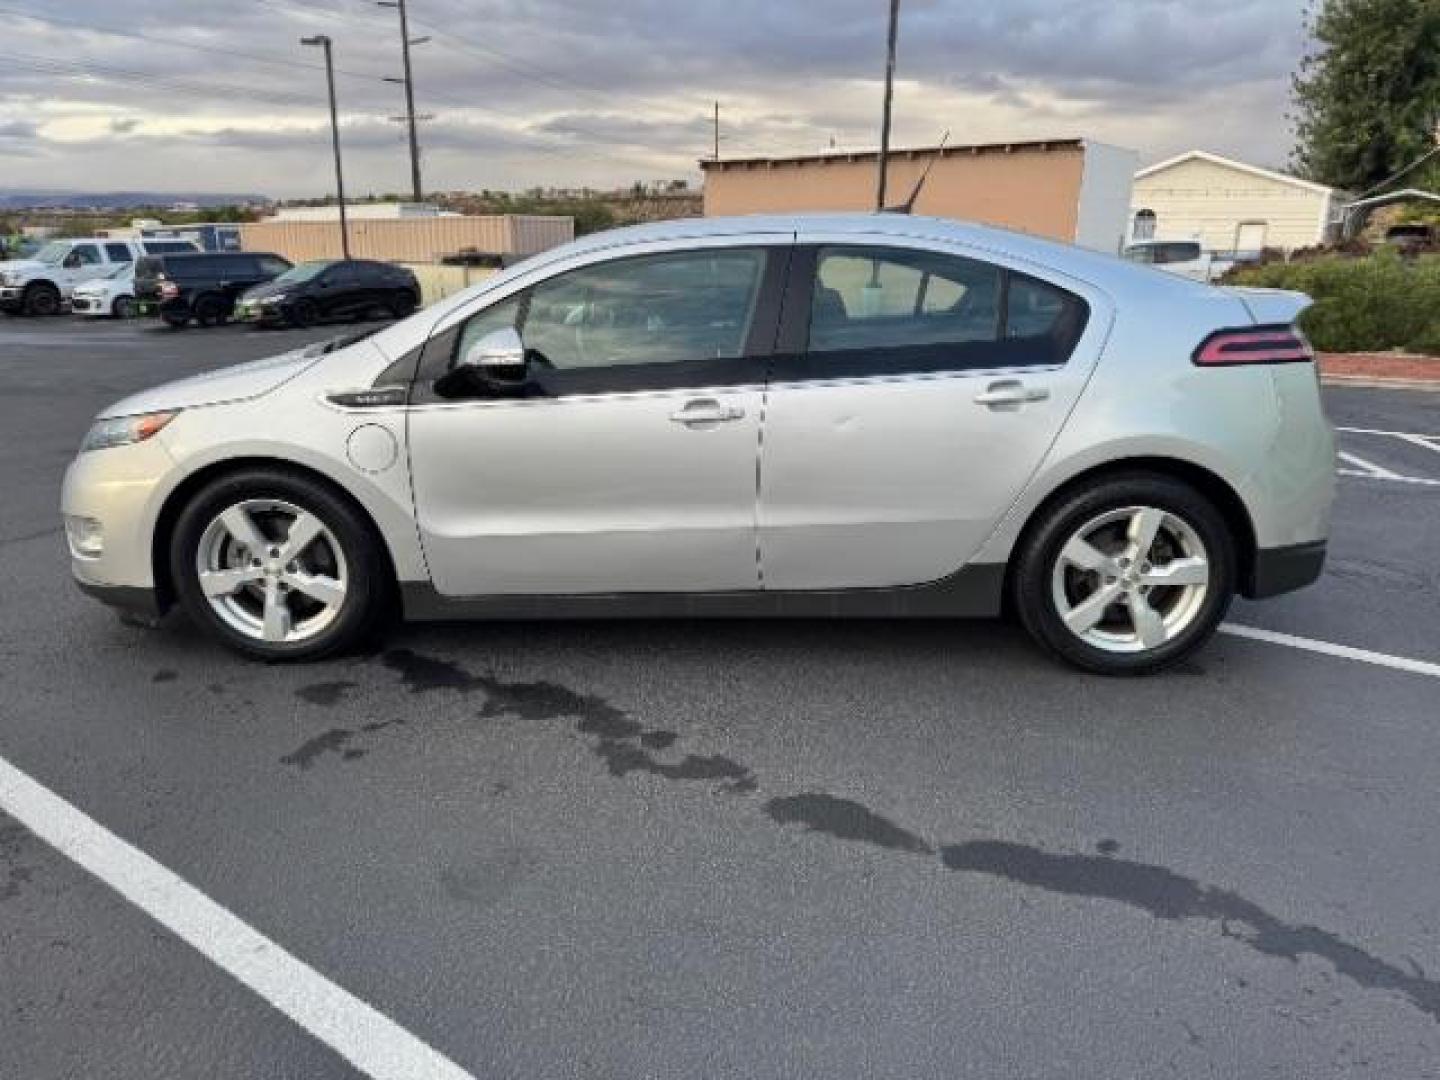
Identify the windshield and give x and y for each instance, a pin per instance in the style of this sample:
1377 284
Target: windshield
53 252
304 272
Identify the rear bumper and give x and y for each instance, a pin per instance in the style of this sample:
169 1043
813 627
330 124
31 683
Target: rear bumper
1284 569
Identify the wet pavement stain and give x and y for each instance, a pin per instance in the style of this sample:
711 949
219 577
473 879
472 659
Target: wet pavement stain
1166 895
844 819
1108 847
15 874
625 745
165 675
334 741
325 693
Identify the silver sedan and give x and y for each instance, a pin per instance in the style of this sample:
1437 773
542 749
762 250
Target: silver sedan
851 415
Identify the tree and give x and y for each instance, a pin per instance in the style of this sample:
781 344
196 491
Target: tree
1367 96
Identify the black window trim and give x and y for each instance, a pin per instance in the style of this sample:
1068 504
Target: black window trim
437 355
793 363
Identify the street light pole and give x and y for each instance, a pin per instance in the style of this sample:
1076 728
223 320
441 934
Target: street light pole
417 189
323 41
889 97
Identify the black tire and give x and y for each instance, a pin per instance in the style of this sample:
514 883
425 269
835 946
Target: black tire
41 300
304 313
211 309
123 308
1033 572
402 306
367 590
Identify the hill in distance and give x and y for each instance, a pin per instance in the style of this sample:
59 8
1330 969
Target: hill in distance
15 199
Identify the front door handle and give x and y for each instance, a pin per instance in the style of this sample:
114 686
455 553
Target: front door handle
1010 394
707 411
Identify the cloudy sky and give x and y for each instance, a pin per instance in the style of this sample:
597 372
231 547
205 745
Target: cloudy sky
218 95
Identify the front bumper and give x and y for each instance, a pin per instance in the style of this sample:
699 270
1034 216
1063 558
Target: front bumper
121 489
88 305
1284 569
12 297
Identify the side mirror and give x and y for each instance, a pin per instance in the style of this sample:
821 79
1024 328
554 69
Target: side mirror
499 355
495 362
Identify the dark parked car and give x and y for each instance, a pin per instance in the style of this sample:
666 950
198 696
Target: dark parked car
203 287
331 289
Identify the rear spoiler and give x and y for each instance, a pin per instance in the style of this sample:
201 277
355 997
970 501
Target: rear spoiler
1271 307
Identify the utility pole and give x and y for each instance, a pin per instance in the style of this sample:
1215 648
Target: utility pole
889 98
417 188
716 154
323 41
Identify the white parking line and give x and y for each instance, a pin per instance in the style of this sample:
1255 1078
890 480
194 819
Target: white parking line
370 1041
1365 468
1347 652
1420 480
1388 434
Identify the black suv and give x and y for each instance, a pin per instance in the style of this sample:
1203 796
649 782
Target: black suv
202 287
331 289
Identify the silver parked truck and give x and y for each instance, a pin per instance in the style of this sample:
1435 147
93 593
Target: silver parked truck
847 415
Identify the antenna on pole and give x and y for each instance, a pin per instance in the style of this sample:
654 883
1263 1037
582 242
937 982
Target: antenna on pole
908 206
889 98
716 155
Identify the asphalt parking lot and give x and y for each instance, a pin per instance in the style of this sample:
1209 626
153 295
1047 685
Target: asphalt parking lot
729 848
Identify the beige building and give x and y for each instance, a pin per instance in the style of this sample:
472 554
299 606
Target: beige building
410 239
1230 206
1074 190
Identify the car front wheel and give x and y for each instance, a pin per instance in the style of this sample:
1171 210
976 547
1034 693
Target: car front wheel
1126 575
278 566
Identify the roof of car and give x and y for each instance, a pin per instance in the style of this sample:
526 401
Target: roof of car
1092 265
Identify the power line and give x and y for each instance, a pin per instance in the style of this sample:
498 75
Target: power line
92 69
175 43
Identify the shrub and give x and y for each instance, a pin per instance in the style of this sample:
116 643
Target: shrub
1372 304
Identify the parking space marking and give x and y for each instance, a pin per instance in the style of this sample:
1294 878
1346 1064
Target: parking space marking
1365 468
369 1040
1328 648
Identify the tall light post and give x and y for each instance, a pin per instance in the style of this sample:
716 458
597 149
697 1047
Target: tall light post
889 97
323 41
417 189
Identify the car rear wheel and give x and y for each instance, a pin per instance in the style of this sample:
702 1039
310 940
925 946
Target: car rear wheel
304 313
123 308
1127 575
278 566
211 310
42 300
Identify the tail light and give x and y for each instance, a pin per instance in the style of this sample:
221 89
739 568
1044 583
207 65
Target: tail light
1254 345
168 290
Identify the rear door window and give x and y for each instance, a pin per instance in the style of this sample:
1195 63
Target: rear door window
888 311
119 253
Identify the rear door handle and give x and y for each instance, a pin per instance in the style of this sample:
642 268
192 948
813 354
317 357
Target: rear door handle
707 411
1011 393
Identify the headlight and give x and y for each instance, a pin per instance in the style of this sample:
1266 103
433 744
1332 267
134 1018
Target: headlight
277 298
124 430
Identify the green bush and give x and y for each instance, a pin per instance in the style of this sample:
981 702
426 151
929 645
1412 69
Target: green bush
1372 304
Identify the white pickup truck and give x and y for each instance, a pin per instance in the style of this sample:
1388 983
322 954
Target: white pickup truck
1185 258
41 284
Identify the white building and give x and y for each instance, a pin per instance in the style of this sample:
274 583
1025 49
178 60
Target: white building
1230 206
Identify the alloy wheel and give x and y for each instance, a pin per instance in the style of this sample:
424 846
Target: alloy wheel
272 571
1131 580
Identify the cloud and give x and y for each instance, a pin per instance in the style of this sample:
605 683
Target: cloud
571 91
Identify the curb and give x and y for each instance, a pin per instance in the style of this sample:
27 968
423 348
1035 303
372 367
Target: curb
1373 382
